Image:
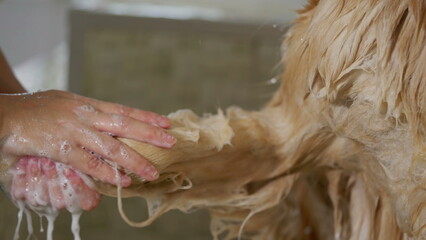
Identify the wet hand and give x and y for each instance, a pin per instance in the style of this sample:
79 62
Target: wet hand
69 128
40 182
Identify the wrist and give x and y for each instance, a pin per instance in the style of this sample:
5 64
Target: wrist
4 163
5 102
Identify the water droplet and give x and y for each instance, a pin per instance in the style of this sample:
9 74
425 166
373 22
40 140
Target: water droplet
87 108
272 81
124 153
42 153
117 121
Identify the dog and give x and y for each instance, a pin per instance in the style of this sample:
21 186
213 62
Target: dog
337 153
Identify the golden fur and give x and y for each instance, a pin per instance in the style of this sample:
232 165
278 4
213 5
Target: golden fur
338 153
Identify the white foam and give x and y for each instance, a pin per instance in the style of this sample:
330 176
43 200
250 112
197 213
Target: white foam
65 147
42 153
87 108
75 225
45 209
21 206
29 223
50 225
41 223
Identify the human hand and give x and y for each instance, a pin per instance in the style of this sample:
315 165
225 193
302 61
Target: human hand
41 183
69 128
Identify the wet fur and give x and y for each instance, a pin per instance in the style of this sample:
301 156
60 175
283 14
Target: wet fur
338 153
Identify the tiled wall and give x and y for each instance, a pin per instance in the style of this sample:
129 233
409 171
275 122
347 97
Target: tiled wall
163 71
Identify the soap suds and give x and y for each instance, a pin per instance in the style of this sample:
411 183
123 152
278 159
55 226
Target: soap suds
75 226
41 223
29 223
33 197
21 207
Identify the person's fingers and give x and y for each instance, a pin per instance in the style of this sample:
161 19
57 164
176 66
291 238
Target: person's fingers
118 152
30 188
127 127
18 186
119 109
54 184
90 164
87 198
70 199
19 180
37 194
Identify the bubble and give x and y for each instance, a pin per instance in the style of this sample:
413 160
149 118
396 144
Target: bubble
93 138
124 153
23 140
65 147
12 139
42 153
117 121
87 108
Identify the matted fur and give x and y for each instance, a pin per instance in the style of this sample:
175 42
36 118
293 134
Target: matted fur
338 153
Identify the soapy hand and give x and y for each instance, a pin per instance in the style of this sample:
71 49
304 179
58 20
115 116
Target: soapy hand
79 132
43 184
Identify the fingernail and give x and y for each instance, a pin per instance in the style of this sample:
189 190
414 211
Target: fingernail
68 173
125 180
33 166
163 122
168 139
44 161
150 173
48 166
23 162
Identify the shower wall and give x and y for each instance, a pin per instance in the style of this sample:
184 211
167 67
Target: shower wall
164 64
